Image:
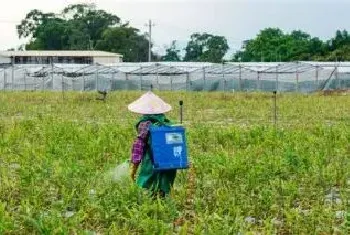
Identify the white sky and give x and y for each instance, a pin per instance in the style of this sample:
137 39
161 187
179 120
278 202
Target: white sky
177 19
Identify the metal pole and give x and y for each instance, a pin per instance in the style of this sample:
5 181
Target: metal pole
42 84
141 79
25 80
240 78
13 72
337 80
52 79
317 82
96 79
223 77
297 77
62 87
225 86
150 40
276 78
157 78
275 108
5 79
171 83
188 82
204 79
84 82
111 81
181 111
127 81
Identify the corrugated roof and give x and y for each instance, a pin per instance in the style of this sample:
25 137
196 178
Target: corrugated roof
71 53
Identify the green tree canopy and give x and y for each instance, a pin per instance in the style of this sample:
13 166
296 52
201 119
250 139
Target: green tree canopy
172 53
206 47
272 44
125 40
82 27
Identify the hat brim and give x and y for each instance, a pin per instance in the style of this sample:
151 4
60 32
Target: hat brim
149 103
136 109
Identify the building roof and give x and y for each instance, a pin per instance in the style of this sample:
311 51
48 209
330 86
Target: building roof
71 53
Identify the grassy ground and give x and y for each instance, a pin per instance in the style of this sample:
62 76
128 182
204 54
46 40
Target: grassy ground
55 151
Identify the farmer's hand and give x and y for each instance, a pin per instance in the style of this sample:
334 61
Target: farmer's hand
133 171
133 175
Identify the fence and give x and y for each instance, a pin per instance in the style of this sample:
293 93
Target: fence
282 77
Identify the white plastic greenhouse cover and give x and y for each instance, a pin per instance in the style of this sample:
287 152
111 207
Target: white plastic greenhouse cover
291 76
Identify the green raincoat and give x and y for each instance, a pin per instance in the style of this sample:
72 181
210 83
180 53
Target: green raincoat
156 181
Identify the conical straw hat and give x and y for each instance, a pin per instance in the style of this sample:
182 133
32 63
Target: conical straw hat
149 103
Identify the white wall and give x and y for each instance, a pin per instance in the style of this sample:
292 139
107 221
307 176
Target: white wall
107 60
4 60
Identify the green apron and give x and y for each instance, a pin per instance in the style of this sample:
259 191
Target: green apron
155 181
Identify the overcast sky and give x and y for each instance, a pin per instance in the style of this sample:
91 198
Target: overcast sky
177 19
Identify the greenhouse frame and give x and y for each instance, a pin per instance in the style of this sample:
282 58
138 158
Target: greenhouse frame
189 76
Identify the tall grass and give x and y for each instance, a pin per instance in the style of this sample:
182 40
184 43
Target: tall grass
55 152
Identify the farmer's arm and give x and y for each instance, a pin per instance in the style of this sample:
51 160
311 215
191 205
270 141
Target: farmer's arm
139 146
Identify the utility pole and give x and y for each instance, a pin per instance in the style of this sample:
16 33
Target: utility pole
150 24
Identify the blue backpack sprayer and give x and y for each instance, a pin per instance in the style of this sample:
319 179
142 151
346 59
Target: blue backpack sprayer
168 146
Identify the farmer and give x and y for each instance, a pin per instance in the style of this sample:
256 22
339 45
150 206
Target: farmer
152 109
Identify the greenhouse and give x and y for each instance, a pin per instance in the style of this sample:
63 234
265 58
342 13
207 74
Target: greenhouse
190 76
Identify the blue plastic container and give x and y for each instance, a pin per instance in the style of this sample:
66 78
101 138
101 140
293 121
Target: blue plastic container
168 145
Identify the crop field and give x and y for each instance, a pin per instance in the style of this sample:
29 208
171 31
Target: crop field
256 171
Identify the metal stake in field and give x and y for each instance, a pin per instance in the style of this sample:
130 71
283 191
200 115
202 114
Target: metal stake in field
181 111
275 108
281 199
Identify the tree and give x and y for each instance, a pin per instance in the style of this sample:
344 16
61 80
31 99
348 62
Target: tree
206 47
341 39
172 54
317 48
30 23
83 27
79 26
340 54
271 44
85 19
125 40
49 36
